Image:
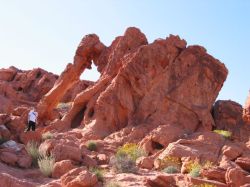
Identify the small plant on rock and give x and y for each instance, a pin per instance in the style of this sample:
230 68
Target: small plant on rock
33 151
224 133
64 105
170 170
91 145
194 168
47 135
46 164
170 161
99 173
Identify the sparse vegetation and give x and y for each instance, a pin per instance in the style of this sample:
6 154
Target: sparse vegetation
64 105
170 170
224 133
170 161
91 145
112 184
46 164
99 173
195 172
47 135
124 160
131 150
33 151
123 164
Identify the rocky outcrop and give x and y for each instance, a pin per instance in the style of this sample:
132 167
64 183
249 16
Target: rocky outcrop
158 95
228 116
142 85
246 111
89 49
19 87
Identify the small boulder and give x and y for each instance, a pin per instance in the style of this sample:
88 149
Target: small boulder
62 167
9 158
79 177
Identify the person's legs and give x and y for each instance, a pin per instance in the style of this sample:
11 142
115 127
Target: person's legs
33 126
29 126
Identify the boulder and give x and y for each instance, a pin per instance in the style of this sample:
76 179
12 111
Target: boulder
62 167
204 146
64 152
236 177
244 162
145 162
7 74
78 177
9 158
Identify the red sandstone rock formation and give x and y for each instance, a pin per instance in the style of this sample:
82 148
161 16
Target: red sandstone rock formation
143 85
19 87
158 95
246 111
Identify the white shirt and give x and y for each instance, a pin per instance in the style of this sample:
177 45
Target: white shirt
32 116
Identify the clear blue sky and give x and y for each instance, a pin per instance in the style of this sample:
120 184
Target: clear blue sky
45 33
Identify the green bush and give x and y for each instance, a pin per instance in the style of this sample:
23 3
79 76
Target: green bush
47 135
195 172
226 134
112 184
99 173
46 164
91 145
170 169
33 151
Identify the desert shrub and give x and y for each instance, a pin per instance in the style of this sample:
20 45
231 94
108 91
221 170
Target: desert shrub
122 163
64 105
208 164
91 145
112 184
131 150
33 151
125 158
98 172
194 167
226 134
170 161
46 164
170 169
195 172
47 135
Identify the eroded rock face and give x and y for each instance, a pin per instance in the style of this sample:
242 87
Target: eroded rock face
19 87
165 82
228 116
78 177
246 111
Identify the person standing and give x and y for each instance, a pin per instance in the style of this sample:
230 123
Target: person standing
32 119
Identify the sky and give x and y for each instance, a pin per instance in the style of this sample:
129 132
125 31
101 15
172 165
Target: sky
45 33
